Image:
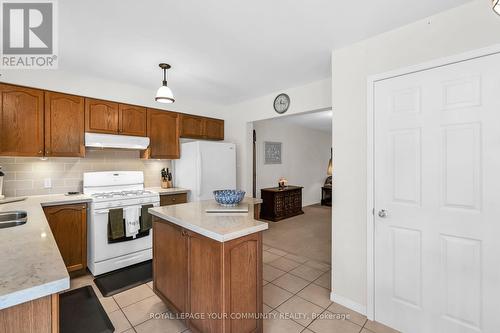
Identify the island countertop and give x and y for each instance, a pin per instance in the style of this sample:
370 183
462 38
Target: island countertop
31 265
221 227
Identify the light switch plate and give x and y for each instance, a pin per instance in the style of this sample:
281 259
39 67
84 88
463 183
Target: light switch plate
47 183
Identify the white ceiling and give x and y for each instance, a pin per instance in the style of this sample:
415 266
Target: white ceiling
222 51
320 121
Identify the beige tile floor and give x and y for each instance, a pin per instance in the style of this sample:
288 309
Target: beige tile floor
296 298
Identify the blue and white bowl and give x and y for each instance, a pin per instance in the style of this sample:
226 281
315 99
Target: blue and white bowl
229 198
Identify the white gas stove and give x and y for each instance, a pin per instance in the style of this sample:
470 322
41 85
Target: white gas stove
116 190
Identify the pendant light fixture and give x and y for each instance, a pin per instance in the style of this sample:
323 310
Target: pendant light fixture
496 6
164 93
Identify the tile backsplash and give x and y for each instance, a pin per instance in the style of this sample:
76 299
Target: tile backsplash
26 175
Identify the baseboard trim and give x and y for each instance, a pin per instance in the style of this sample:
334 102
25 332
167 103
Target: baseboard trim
348 303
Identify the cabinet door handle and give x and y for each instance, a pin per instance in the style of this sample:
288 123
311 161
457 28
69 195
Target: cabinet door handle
184 233
40 152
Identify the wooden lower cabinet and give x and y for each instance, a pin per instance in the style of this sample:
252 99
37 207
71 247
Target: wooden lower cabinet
215 283
68 224
170 268
37 316
173 199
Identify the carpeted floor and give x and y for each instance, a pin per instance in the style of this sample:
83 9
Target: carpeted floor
308 235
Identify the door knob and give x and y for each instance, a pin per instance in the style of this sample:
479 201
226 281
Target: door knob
382 213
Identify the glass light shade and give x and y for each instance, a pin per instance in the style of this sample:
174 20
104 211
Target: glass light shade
164 95
329 172
496 6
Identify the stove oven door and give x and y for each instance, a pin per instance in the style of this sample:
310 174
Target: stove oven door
101 249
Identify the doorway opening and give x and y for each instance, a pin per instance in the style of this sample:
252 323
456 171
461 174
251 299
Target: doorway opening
295 149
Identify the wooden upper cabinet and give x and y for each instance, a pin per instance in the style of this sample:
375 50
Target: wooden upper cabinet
68 224
101 116
163 131
214 129
191 126
133 120
64 125
21 121
195 127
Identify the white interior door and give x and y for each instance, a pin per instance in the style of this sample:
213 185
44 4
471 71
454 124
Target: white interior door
437 176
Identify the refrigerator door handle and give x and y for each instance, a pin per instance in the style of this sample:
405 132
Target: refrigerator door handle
198 167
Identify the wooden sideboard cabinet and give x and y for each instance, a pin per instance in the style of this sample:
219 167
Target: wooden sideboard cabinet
279 204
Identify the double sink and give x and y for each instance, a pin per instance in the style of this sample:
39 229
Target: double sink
13 218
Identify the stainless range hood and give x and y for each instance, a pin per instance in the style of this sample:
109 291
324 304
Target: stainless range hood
116 141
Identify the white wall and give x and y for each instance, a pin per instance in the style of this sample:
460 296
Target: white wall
305 154
464 28
239 117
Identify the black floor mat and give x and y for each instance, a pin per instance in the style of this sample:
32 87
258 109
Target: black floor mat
125 278
81 312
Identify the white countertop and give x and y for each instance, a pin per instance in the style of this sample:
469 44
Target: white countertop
31 265
221 227
166 191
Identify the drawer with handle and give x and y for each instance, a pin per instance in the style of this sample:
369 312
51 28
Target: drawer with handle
173 199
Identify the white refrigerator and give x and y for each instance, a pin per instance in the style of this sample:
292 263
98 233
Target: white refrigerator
205 166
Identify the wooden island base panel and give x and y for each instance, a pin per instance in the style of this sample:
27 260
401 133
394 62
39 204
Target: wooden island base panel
213 285
38 316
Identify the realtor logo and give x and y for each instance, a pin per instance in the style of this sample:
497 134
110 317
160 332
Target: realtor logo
28 35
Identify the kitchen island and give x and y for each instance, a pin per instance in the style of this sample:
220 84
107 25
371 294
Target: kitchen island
207 267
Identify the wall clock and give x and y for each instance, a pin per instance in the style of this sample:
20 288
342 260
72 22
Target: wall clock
281 103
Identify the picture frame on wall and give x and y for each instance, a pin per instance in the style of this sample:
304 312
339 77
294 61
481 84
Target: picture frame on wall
272 152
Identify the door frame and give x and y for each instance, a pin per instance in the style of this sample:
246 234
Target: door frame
370 185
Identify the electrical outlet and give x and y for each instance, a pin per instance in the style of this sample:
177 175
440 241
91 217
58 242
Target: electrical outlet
47 183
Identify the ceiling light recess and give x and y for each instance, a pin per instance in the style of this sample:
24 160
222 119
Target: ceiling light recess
164 93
